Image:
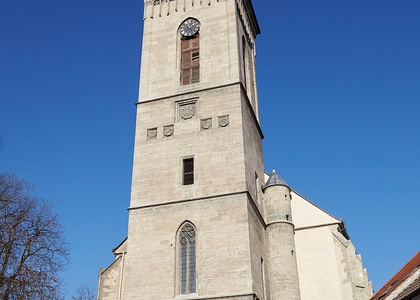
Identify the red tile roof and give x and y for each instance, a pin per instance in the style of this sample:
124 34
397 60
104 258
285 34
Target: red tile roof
402 275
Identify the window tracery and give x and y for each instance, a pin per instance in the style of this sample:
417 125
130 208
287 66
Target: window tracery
187 241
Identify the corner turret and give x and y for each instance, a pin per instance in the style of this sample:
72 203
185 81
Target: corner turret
280 241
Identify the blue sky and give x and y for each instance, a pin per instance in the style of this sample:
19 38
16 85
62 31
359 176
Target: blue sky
339 91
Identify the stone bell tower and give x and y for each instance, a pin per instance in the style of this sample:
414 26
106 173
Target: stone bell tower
205 220
195 229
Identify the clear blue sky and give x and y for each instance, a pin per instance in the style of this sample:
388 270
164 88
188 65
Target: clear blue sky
339 91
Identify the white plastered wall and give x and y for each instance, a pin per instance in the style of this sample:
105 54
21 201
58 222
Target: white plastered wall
324 255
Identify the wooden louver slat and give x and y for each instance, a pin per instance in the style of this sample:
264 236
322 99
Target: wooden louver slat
190 60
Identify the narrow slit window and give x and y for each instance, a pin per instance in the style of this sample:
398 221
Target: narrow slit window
244 60
187 259
188 171
257 198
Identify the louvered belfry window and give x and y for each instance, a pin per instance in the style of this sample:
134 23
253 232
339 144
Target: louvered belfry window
190 60
188 171
187 259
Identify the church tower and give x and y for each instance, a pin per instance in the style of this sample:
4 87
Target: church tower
195 216
205 220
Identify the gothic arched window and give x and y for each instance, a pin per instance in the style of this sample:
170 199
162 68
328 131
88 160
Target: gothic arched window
187 259
190 51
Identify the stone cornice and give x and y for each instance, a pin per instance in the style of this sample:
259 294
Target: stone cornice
246 6
161 8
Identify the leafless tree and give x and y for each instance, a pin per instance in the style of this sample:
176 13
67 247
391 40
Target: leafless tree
32 247
84 292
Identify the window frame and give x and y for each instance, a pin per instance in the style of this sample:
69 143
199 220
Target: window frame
189 58
187 259
188 171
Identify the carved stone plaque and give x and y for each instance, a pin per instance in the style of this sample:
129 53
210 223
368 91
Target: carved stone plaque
151 133
187 111
206 123
224 121
168 130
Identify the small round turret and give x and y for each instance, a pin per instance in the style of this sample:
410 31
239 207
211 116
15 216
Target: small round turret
280 241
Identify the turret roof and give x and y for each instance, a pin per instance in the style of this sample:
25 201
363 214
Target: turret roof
275 179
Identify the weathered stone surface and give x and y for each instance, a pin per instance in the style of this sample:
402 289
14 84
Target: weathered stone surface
247 246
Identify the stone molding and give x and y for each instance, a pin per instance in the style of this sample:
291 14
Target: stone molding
162 8
248 18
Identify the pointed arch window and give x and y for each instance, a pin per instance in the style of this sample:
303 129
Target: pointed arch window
187 243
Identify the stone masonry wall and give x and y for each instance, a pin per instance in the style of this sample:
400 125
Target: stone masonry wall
217 147
110 281
160 64
223 261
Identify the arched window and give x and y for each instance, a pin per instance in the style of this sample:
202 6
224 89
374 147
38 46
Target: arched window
187 259
190 51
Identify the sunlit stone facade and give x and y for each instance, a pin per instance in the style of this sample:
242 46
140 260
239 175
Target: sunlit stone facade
205 220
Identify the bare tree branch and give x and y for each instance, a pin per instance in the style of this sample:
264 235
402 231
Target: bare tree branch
32 247
84 292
